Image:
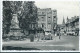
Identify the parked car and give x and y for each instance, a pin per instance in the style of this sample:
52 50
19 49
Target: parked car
48 36
71 33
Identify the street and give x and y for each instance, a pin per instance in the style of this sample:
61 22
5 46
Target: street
65 43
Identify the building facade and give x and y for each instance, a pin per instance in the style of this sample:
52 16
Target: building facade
72 25
47 19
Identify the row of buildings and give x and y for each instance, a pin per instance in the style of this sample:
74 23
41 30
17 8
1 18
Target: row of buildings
71 25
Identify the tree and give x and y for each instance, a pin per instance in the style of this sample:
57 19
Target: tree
7 16
28 15
16 6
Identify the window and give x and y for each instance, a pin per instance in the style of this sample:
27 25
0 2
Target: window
49 17
42 12
54 16
54 12
49 23
49 26
49 12
54 20
42 25
42 18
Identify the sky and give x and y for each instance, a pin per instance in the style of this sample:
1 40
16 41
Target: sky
64 8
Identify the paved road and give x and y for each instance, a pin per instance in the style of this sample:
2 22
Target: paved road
65 43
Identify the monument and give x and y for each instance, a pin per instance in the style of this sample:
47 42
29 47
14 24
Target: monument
14 28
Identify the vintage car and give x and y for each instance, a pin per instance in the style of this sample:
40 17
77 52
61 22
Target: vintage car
48 36
71 33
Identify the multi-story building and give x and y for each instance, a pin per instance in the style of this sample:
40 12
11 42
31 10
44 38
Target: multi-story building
47 19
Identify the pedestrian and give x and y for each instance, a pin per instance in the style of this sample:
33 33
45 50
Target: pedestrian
38 36
59 34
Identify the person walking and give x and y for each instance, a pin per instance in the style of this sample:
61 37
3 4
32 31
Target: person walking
59 33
